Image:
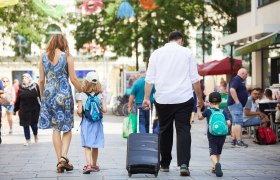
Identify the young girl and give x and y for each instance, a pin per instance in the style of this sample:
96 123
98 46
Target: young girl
92 134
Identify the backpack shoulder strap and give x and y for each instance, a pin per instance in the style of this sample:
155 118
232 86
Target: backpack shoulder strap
212 110
88 94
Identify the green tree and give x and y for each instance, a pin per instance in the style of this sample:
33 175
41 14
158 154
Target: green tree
149 28
23 19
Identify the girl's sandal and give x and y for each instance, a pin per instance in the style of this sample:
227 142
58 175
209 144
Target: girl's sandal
60 168
66 165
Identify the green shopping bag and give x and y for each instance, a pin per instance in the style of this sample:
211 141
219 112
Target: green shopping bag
129 125
133 119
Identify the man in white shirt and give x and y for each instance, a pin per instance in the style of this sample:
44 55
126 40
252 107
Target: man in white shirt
172 68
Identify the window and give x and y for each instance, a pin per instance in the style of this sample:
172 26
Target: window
265 2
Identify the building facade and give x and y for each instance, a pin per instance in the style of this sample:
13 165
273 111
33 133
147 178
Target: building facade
257 39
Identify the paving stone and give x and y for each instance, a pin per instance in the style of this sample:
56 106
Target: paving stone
38 161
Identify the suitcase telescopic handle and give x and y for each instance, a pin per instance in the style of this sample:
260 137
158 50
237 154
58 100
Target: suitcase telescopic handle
150 119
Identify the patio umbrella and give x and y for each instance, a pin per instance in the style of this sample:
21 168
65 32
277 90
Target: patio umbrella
220 67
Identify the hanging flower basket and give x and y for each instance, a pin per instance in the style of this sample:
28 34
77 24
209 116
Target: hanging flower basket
91 6
125 10
148 4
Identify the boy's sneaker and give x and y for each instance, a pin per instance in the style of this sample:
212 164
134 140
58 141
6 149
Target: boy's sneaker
87 169
241 144
219 172
95 168
164 169
184 170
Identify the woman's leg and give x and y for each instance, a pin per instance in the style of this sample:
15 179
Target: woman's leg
94 156
56 138
26 132
34 128
66 139
10 119
27 135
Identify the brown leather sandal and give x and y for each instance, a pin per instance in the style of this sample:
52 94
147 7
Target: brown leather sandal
66 165
60 168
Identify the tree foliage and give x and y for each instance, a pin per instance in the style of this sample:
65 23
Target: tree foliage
23 19
149 29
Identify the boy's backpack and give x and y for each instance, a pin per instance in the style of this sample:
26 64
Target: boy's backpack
217 123
92 109
266 135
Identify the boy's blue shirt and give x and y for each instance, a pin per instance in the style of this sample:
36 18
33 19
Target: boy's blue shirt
138 90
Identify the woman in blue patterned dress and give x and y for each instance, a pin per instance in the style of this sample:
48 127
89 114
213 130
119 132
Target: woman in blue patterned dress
56 67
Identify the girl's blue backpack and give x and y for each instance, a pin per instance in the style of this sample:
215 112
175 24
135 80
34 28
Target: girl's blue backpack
93 110
217 123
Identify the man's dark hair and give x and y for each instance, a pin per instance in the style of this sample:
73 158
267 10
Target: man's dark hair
256 89
175 35
268 93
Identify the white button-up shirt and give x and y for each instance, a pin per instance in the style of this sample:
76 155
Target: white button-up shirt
173 70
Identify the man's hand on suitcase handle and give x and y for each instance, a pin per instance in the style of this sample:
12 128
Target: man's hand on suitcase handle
146 105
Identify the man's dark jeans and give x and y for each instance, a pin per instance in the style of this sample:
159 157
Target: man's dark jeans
181 113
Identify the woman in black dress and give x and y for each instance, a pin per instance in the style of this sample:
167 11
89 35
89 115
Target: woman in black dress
28 105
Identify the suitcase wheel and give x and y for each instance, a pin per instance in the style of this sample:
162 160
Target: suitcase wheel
156 174
129 174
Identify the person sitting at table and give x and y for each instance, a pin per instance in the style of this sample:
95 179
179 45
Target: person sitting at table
267 97
277 114
252 115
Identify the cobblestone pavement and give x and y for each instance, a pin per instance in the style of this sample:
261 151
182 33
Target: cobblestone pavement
38 161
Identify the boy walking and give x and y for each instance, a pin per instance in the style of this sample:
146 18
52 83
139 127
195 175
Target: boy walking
218 122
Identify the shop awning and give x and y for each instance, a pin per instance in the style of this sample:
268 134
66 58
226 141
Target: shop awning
257 45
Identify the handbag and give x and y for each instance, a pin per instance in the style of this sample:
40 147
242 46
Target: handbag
38 97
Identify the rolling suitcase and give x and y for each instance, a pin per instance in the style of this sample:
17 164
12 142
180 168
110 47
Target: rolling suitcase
142 152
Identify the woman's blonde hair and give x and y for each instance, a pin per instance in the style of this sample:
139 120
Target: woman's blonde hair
57 41
89 87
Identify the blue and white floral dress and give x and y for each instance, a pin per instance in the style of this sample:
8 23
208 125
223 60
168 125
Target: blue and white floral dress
57 101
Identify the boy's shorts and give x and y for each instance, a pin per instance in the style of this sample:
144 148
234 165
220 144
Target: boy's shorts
236 111
216 145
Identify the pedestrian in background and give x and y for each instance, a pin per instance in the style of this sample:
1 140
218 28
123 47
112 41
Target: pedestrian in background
92 134
16 86
8 100
56 66
215 142
237 99
136 99
28 106
1 92
173 71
